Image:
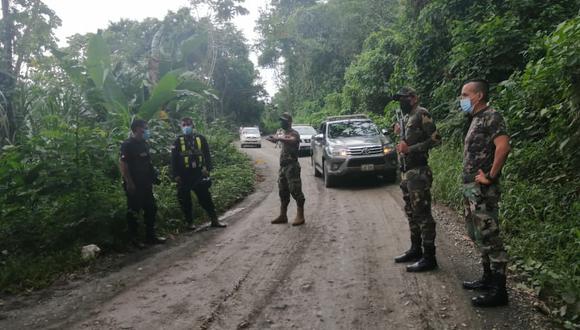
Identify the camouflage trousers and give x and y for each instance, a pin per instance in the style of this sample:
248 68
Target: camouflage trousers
416 187
482 223
289 183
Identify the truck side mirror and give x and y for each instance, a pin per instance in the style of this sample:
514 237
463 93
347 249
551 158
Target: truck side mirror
385 132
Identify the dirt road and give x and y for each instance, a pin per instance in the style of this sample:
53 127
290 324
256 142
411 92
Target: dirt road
336 272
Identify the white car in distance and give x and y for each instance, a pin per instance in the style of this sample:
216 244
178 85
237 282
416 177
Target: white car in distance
306 132
250 136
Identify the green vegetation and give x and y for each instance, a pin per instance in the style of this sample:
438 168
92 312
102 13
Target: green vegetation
529 52
64 113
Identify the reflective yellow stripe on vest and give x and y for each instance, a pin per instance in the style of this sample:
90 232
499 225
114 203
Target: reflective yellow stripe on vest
183 149
199 158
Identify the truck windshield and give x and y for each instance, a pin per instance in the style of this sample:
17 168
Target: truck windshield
305 130
251 131
352 129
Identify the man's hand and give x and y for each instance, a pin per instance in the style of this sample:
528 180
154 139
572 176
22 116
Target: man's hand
131 187
272 138
178 179
397 128
402 147
204 172
481 178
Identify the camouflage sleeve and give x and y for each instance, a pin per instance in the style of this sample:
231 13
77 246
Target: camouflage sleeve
294 134
497 126
430 130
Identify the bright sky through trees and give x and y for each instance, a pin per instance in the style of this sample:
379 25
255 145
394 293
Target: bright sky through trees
83 16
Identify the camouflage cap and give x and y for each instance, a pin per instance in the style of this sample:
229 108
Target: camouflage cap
286 116
405 91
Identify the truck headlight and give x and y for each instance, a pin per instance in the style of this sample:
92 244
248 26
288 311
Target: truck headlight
338 152
387 149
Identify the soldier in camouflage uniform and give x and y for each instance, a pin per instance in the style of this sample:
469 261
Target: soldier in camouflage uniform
420 135
485 152
289 182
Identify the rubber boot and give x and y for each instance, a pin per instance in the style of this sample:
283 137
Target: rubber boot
216 224
299 220
495 296
426 263
482 284
189 225
413 254
282 218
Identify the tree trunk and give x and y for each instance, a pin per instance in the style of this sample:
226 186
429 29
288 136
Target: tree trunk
7 78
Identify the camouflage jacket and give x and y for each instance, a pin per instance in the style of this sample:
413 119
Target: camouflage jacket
479 149
420 135
289 151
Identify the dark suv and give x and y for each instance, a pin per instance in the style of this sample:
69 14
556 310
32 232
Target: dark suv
352 145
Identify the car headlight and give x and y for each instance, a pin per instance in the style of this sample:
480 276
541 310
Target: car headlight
387 149
338 152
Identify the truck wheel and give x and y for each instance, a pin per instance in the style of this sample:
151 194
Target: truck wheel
314 169
329 180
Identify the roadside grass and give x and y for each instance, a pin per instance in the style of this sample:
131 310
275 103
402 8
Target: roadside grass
541 227
36 248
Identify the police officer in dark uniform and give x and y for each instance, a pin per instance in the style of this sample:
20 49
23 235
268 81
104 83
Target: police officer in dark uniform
420 135
191 164
138 178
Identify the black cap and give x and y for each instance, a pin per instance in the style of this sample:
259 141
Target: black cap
286 116
405 91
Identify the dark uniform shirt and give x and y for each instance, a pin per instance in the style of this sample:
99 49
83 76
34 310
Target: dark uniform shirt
135 153
479 149
289 151
190 161
420 135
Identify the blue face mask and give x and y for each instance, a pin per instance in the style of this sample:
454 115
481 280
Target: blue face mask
466 105
146 134
187 130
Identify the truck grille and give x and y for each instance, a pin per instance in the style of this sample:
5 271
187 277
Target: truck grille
362 151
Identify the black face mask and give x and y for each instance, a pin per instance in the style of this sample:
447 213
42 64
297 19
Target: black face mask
406 106
284 124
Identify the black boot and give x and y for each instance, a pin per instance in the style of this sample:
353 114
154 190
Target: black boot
426 263
496 296
413 254
154 240
482 284
216 224
189 225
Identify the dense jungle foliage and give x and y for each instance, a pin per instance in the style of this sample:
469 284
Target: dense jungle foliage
65 111
348 56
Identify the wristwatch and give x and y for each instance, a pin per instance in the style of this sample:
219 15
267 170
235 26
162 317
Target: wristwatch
490 178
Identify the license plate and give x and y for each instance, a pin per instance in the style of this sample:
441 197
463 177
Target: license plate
367 167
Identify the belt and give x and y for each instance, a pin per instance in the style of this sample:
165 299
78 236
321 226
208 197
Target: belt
288 162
